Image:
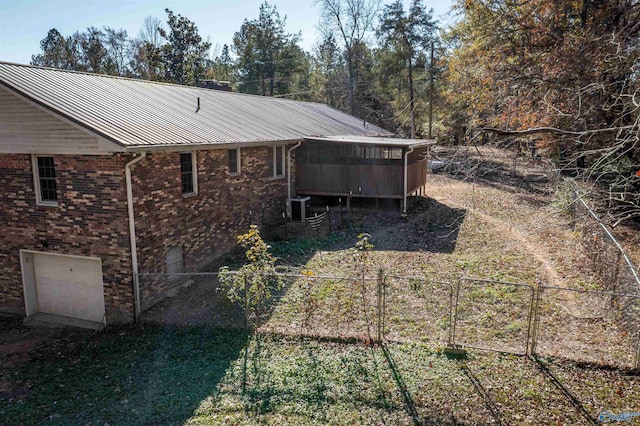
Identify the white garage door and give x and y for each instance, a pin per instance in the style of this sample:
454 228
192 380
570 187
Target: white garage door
70 286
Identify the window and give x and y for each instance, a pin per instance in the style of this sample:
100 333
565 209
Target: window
276 161
44 172
188 173
234 161
357 151
371 152
392 153
174 261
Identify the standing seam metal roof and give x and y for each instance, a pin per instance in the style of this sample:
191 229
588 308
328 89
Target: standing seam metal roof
138 113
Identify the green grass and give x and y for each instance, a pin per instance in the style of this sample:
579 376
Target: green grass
299 249
151 375
129 375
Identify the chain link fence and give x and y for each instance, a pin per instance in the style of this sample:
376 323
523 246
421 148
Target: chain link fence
325 307
591 326
417 309
188 299
493 315
615 271
584 325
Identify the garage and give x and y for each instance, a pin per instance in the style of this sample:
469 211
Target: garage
63 285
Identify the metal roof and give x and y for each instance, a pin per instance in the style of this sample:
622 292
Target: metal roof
140 113
369 140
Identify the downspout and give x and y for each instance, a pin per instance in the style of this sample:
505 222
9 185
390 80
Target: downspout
289 176
406 178
132 233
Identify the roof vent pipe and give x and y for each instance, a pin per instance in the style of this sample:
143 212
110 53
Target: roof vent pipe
198 109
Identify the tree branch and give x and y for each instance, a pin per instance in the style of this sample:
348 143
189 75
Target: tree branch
554 130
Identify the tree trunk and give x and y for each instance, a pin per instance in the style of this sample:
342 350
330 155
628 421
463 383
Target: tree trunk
412 101
352 100
431 94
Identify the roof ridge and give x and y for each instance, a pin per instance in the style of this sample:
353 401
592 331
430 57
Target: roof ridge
93 74
138 113
162 83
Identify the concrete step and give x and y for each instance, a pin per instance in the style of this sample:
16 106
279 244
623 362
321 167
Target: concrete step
49 320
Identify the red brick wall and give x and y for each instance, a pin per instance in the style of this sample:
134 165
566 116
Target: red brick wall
91 217
90 220
205 225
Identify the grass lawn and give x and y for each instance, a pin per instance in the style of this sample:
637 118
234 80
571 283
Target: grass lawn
131 375
196 375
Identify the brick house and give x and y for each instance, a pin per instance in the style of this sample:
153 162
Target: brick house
104 177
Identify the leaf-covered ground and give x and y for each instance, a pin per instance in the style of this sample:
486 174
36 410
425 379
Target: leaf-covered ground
197 375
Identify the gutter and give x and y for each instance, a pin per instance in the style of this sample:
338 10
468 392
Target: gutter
406 178
132 233
289 175
206 146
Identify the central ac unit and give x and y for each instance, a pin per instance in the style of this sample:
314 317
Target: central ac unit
300 208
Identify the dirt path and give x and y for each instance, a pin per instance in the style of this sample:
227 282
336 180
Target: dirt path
541 255
457 190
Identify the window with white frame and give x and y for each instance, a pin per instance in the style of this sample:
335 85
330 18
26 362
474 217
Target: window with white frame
276 161
174 261
188 173
44 177
234 161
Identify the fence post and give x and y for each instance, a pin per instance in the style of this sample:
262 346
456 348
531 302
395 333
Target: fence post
380 284
575 197
532 310
384 306
453 312
284 221
260 301
536 319
246 302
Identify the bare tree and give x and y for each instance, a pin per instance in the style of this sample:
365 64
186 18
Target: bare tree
352 20
115 42
145 48
150 31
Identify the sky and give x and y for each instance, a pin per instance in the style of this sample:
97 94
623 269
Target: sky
23 23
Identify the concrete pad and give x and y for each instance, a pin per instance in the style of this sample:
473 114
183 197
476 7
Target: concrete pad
48 320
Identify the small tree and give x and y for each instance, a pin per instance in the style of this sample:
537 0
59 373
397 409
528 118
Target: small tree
256 281
361 254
